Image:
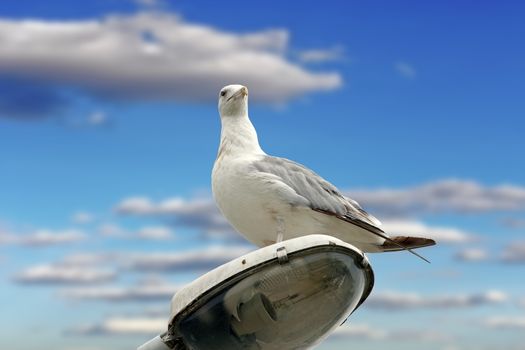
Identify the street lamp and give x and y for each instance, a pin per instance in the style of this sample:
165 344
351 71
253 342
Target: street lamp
289 295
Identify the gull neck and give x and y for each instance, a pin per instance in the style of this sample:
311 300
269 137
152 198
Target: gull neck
238 136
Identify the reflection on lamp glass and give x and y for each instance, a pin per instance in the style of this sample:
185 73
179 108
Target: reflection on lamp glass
280 305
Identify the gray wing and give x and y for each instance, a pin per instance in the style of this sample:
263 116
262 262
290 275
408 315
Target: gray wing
326 198
322 195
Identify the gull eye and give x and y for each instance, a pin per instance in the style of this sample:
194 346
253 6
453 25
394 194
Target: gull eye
223 93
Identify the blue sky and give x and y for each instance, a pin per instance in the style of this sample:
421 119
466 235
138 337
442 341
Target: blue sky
109 130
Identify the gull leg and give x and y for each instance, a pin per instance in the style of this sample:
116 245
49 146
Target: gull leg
280 229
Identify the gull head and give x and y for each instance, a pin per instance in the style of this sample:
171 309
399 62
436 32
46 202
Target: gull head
233 101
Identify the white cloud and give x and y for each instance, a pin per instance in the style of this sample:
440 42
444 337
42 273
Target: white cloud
136 206
406 70
319 55
202 259
97 118
521 302
205 258
199 213
493 345
93 120
47 238
367 332
149 3
124 326
515 223
425 336
395 301
358 331
514 253
153 56
170 206
473 255
59 274
443 196
505 322
82 217
88 259
155 233
43 238
144 292
111 230
438 233
7 238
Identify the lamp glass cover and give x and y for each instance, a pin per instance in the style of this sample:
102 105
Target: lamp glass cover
290 305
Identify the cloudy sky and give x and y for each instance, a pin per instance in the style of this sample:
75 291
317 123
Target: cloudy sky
109 130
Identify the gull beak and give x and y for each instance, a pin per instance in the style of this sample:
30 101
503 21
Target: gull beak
242 92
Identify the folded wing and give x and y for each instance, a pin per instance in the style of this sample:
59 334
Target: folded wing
324 197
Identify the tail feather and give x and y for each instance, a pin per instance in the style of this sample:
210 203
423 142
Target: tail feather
402 242
397 243
407 243
390 244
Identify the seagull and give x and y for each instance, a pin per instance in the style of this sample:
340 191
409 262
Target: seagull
268 199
